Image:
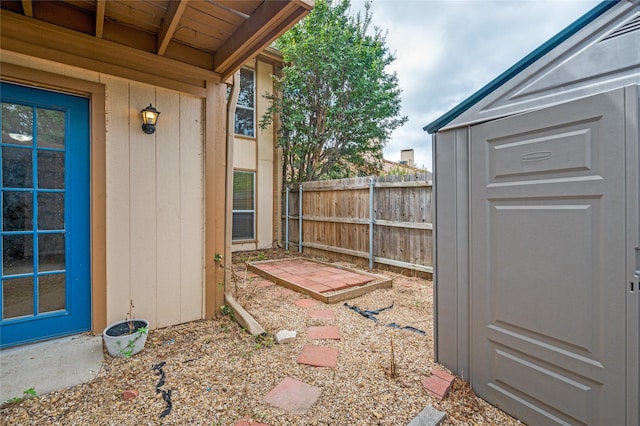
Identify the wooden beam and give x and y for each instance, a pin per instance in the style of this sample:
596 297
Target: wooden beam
100 9
42 40
27 7
270 20
170 23
215 164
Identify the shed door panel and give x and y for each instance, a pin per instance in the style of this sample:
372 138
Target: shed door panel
548 262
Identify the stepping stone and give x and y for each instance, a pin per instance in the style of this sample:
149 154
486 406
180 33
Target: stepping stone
324 332
319 356
264 283
293 396
438 384
306 303
285 336
248 421
404 283
322 314
285 292
428 417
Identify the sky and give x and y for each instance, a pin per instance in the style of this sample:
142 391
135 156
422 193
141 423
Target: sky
448 49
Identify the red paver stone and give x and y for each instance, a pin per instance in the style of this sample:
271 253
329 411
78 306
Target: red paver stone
443 375
293 396
264 283
248 421
436 386
324 332
130 394
319 356
306 303
403 283
322 314
284 292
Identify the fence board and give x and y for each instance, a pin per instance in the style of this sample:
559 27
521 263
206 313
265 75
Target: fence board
336 219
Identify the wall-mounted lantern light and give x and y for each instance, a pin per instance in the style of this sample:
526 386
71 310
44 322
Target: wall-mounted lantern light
149 119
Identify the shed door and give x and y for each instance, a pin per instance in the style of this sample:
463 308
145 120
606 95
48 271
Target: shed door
44 226
548 262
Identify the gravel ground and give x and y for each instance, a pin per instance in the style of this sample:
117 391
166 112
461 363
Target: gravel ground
218 373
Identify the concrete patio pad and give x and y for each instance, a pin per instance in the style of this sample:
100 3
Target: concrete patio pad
49 366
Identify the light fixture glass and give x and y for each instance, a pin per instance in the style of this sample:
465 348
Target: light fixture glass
149 119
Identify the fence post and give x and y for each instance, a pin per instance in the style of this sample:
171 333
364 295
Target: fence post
300 219
286 220
371 221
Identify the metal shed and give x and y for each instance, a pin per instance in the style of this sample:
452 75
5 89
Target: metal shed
537 236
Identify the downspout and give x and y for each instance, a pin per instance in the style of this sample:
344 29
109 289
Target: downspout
228 222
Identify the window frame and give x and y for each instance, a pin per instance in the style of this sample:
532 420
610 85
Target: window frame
252 109
235 211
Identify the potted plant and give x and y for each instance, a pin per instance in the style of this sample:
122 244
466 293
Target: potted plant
127 337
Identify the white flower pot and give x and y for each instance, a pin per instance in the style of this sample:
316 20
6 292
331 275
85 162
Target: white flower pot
121 342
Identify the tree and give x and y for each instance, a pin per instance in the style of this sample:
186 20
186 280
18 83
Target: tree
335 102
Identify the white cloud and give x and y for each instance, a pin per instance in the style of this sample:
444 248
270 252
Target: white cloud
448 49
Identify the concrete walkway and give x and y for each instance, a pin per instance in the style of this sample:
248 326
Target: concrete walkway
49 366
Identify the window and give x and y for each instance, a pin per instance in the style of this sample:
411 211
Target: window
245 109
243 206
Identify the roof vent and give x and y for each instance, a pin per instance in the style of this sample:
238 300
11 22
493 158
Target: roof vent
631 26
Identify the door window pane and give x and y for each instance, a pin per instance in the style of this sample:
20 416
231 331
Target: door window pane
50 128
17 211
17 167
51 252
17 297
17 124
51 293
17 254
50 170
51 210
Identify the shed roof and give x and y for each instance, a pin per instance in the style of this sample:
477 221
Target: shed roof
525 62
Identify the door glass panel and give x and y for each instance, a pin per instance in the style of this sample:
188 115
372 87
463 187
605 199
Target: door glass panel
50 128
50 170
17 167
17 124
17 254
17 211
51 293
51 252
17 297
50 210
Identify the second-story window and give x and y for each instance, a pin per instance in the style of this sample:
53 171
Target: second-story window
245 109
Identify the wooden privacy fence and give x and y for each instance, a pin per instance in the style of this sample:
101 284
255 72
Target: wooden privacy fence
385 219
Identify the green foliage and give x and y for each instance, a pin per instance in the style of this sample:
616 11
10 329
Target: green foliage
27 393
335 102
127 350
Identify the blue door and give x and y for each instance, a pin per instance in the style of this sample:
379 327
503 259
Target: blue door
46 281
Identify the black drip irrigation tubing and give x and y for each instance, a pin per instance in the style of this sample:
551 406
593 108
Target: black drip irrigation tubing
166 395
371 314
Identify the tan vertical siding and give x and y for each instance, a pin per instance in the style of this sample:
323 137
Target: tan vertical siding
168 211
191 209
118 212
265 185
